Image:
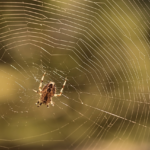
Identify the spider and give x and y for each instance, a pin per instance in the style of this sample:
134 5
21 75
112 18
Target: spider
48 91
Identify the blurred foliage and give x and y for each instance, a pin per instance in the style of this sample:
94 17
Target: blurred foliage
109 45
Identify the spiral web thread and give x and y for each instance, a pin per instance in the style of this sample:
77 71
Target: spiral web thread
102 47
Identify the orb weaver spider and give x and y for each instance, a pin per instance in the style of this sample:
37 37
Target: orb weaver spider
48 91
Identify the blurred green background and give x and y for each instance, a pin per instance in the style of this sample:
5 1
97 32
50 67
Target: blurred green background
102 47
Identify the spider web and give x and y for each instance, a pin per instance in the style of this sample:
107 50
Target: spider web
102 47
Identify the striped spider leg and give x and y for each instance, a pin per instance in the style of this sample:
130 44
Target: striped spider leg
55 95
40 88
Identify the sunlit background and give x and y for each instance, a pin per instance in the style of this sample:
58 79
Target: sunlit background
102 47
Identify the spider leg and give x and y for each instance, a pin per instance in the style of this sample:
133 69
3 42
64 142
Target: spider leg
40 86
52 103
47 105
35 91
39 104
55 95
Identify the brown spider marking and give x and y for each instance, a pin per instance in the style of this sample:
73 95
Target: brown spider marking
48 91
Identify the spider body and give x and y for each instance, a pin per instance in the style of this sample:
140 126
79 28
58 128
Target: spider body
48 91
